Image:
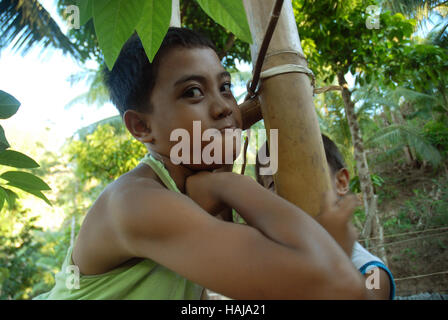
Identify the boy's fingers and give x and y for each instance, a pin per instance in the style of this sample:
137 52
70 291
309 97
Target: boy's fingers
329 201
347 205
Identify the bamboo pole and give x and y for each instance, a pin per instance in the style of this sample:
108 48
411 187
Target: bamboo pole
175 14
287 105
251 112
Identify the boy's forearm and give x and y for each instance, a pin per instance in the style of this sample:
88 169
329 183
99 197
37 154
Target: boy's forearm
286 224
275 217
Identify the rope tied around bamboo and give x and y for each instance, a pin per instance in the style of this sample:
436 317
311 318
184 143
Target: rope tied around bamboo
252 85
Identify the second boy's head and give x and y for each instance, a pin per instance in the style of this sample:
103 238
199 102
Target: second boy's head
340 176
185 82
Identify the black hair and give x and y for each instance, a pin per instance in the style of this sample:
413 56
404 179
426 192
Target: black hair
131 80
334 158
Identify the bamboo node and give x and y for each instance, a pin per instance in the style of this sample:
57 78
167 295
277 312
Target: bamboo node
285 68
288 68
295 52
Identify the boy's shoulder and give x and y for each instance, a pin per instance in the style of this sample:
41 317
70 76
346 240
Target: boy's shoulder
139 182
128 204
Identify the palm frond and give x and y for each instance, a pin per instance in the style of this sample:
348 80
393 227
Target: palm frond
439 35
397 136
412 95
26 23
413 8
97 93
114 121
421 100
370 98
390 155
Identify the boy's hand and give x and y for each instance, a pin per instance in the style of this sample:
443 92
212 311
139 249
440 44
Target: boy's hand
201 187
336 219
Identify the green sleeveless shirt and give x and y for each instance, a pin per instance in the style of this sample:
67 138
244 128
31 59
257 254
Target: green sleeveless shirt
142 281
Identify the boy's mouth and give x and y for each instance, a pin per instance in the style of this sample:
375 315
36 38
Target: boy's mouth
223 130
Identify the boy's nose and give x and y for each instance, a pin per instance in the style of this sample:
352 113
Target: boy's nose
220 110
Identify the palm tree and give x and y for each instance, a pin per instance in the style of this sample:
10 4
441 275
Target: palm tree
403 134
418 9
97 93
26 23
439 35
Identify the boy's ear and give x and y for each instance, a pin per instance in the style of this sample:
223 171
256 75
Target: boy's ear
138 125
342 180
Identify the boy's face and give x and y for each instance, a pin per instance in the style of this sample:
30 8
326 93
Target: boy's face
191 85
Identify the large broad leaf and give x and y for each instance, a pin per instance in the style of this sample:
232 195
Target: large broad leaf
85 10
34 192
8 105
154 25
115 21
26 180
16 159
230 14
3 142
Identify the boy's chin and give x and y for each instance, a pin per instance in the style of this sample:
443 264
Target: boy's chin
209 167
211 163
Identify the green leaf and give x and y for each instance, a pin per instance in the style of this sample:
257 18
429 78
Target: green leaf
27 180
85 10
3 196
34 192
4 274
3 142
17 159
8 105
368 78
230 14
154 25
115 21
11 197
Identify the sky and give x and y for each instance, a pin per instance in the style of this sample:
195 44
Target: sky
39 80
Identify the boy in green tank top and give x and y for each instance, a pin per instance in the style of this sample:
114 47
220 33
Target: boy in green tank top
157 231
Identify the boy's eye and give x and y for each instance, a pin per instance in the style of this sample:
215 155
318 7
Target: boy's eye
193 93
226 87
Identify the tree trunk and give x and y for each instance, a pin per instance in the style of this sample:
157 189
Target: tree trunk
372 226
287 105
360 158
379 241
229 43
